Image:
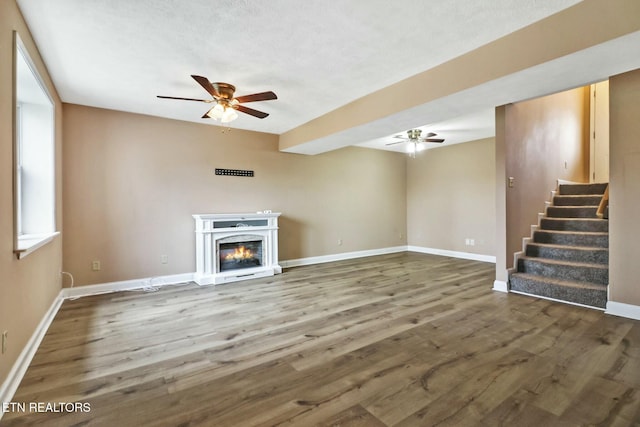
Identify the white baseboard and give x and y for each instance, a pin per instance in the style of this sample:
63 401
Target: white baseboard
11 383
341 257
623 310
126 285
453 254
500 286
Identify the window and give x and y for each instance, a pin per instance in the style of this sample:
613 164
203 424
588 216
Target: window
34 157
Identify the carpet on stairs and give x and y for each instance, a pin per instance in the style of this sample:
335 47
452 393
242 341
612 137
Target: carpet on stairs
567 258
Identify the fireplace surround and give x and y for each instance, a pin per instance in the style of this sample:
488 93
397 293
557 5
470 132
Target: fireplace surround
233 247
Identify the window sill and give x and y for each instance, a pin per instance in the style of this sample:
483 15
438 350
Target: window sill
28 243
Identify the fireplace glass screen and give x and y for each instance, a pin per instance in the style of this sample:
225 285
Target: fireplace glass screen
238 255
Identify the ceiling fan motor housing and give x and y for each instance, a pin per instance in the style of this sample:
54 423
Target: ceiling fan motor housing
225 90
414 133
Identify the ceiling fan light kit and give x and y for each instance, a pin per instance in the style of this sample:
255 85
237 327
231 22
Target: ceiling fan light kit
413 138
413 148
225 104
221 112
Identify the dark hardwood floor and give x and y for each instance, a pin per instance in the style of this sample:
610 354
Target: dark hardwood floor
396 340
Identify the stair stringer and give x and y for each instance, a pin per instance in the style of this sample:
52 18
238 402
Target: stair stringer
534 228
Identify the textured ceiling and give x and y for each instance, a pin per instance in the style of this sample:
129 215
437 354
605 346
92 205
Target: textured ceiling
317 55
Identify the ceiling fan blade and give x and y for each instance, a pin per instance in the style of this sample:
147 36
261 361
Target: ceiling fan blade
430 134
262 96
433 140
251 111
207 85
394 143
184 99
401 137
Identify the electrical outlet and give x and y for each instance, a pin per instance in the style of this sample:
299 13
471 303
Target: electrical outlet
95 265
339 242
164 259
4 341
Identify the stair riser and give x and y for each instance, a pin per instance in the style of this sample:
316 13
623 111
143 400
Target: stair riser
569 254
590 297
582 189
561 224
576 200
572 212
599 241
565 271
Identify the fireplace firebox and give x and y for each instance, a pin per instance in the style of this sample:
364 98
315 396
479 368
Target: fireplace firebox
232 247
237 255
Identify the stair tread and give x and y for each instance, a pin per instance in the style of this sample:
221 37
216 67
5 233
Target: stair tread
596 189
555 218
580 248
560 282
589 233
574 206
579 195
569 263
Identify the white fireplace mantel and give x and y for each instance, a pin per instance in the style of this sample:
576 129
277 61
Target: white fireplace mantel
212 229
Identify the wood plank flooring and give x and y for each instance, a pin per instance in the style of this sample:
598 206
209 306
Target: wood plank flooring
396 340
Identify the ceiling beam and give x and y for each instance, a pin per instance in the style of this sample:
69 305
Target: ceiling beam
499 72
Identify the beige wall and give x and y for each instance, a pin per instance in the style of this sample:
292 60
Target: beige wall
546 139
27 286
451 197
132 182
500 186
624 192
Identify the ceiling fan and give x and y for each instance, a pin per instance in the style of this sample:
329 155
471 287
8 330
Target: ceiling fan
225 102
413 137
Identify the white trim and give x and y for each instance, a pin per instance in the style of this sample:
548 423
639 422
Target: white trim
28 243
126 285
623 310
341 256
453 254
500 286
19 368
236 275
565 182
557 300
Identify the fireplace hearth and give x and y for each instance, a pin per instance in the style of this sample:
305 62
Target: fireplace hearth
232 247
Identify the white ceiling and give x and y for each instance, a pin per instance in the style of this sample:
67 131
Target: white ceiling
316 55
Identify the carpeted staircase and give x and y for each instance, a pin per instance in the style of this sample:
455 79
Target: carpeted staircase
567 257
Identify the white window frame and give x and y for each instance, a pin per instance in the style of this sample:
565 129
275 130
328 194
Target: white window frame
34 203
